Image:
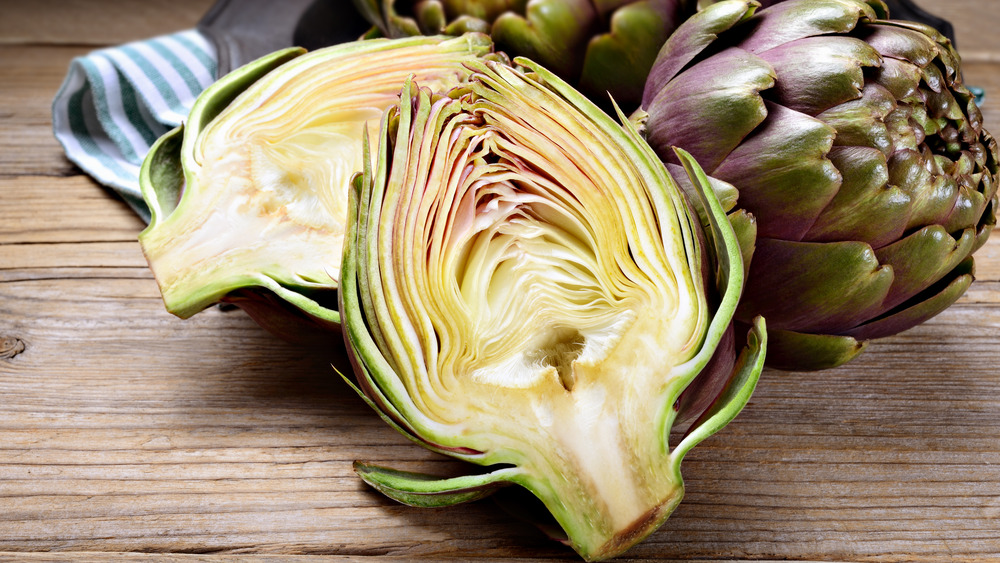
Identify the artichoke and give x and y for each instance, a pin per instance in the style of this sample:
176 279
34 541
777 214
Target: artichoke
603 47
249 198
525 288
854 143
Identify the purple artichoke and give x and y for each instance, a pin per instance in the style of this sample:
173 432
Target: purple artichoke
854 143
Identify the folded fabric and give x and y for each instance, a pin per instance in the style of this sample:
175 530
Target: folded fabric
115 102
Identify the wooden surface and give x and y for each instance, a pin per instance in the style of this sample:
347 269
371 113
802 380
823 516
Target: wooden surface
124 429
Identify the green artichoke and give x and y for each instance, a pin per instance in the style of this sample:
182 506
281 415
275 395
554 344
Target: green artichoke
853 142
249 198
525 288
603 47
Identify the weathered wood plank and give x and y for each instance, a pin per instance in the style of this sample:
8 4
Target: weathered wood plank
31 76
86 22
75 209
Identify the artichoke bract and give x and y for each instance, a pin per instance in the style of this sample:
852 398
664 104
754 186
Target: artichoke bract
603 47
249 197
524 287
853 142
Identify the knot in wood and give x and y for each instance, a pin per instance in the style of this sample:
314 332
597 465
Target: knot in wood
10 347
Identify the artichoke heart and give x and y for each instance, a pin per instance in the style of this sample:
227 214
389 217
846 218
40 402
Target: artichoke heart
524 288
249 198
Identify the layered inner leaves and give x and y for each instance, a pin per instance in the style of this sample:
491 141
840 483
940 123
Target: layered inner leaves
524 263
540 246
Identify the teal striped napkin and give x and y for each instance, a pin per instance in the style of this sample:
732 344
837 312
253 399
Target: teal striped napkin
115 102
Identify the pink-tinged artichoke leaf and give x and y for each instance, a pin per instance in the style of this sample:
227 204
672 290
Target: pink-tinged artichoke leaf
944 105
968 210
690 39
617 63
899 77
946 53
929 303
815 286
706 388
902 131
552 32
727 194
864 192
922 259
798 351
933 197
861 122
782 172
899 43
711 108
833 76
428 491
790 21
735 395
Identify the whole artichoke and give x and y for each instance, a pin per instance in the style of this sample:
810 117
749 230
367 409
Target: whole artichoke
853 141
249 197
601 46
524 287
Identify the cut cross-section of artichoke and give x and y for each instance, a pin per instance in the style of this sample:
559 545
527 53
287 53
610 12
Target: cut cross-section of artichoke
249 198
523 288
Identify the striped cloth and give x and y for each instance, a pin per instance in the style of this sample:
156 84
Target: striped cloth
115 102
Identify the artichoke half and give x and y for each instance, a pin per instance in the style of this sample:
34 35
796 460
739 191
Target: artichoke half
853 142
524 288
249 197
601 46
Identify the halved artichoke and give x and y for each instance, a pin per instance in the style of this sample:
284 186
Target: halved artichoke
523 288
249 198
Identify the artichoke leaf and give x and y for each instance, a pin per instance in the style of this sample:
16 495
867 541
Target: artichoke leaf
790 350
162 178
427 491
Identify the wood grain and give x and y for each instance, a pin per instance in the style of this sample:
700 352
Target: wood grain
127 433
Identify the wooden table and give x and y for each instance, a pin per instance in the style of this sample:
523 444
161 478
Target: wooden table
124 429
